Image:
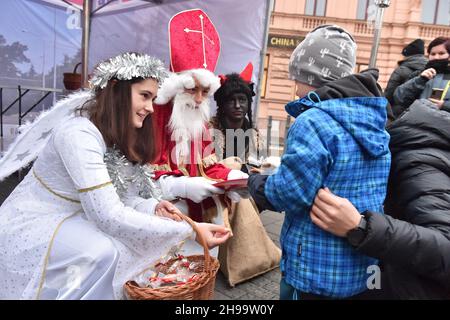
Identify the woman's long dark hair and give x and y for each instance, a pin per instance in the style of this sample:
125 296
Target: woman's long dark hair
110 112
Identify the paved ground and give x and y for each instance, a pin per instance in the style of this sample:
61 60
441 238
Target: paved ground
263 287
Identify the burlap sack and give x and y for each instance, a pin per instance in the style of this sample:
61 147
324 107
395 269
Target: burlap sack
250 252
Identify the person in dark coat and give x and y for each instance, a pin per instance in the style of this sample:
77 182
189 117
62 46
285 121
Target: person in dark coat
414 61
339 140
412 240
435 76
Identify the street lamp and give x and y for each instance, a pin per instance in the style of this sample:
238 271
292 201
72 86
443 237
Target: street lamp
381 6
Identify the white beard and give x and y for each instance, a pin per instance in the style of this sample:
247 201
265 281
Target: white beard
187 123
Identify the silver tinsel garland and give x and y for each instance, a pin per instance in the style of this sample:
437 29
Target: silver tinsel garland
126 67
124 174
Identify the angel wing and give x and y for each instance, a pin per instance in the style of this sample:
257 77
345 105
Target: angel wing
34 136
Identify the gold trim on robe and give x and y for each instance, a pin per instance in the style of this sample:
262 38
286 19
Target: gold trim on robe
209 160
94 187
47 256
202 172
51 191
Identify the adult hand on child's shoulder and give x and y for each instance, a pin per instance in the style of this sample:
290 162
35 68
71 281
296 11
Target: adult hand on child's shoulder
334 214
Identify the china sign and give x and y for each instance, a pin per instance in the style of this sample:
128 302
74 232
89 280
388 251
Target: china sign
284 42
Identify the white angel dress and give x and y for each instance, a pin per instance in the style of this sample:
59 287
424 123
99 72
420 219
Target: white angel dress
64 231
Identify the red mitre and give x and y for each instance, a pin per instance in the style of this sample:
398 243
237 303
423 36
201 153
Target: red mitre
194 41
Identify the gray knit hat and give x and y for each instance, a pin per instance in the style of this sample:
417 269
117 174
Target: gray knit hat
328 53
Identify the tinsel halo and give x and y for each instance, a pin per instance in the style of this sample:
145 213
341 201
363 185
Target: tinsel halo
127 66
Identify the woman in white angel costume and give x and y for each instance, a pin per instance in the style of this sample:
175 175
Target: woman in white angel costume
85 218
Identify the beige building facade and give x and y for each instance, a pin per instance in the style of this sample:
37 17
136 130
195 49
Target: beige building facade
291 20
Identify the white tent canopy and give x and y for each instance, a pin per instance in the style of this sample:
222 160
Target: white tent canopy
115 26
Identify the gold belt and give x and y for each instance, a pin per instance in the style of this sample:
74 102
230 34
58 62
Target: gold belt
51 191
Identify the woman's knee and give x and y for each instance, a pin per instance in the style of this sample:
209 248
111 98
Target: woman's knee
79 243
104 253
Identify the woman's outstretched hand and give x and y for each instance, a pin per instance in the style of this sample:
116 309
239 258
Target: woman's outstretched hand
334 214
166 209
213 234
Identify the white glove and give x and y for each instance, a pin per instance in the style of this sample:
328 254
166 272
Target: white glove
234 196
237 194
236 174
196 189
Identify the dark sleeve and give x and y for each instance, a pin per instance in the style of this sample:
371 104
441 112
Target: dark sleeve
414 74
390 114
406 93
396 79
423 250
256 184
398 109
446 106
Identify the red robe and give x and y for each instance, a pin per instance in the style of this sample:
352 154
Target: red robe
202 162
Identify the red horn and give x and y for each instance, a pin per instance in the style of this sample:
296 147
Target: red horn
223 78
246 74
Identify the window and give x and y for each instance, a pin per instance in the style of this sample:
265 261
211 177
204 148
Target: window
316 7
436 12
265 77
363 9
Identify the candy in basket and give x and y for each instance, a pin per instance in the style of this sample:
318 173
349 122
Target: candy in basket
175 277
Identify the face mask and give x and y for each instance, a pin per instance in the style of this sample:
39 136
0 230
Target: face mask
441 65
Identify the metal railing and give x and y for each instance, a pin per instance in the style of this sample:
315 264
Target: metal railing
23 112
432 31
274 134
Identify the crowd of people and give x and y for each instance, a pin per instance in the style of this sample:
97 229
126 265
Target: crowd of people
115 165
360 191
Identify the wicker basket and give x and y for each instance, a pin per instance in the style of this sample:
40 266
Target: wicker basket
200 289
72 80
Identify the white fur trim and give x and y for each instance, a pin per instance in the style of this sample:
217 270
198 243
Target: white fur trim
169 88
176 83
206 79
188 81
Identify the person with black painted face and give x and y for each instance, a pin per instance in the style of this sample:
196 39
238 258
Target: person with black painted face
234 110
235 134
433 83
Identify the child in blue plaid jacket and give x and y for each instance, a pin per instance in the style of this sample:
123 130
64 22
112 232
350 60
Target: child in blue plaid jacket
339 141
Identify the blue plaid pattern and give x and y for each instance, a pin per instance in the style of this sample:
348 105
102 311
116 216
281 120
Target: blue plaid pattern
340 144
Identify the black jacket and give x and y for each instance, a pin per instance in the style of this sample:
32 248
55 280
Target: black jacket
363 84
422 88
413 239
402 74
